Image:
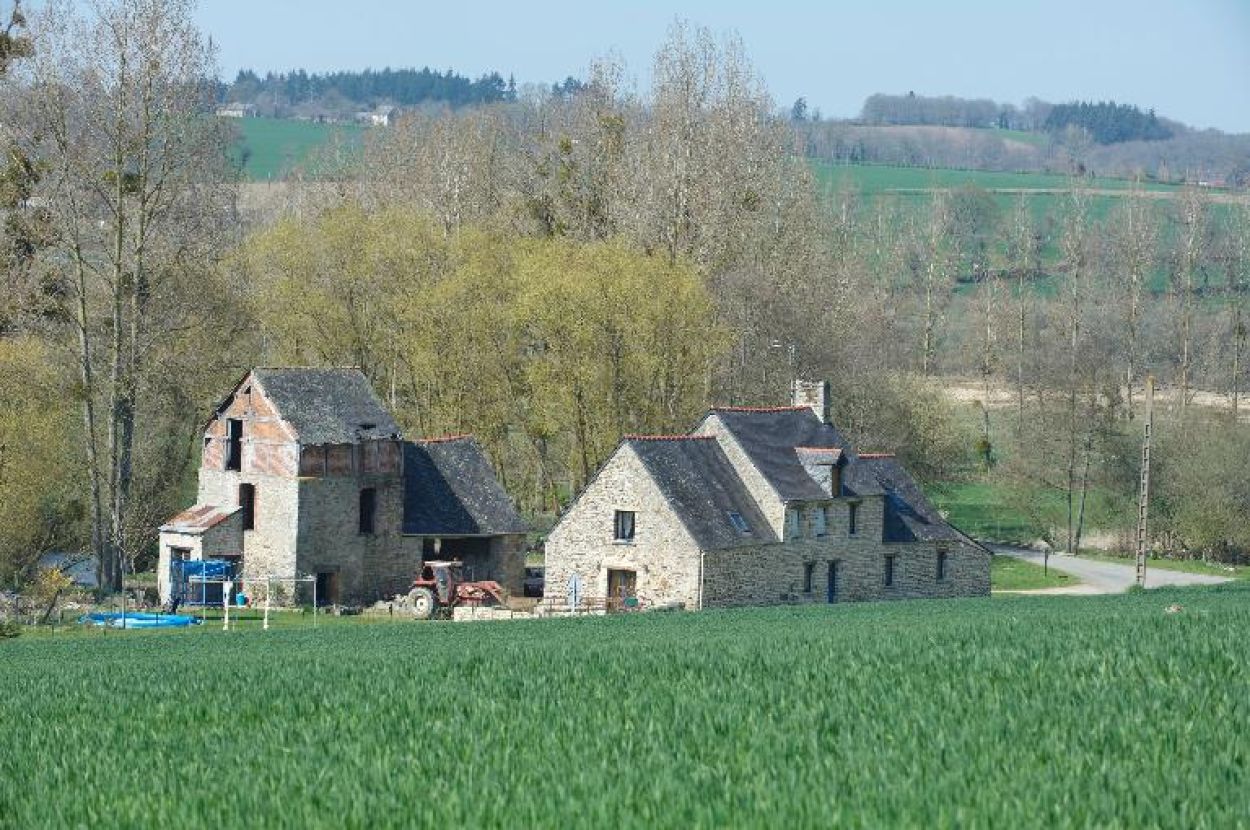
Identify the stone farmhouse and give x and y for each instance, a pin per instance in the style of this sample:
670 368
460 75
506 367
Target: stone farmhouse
304 472
758 506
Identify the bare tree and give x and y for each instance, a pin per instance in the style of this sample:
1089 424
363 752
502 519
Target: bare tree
1023 248
1134 241
1192 208
115 111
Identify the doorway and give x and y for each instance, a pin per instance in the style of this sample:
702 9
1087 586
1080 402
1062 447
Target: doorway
831 583
327 588
622 589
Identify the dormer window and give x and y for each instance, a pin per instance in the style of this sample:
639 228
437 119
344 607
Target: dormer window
792 523
739 522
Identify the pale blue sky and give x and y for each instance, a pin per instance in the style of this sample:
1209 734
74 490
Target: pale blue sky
1189 59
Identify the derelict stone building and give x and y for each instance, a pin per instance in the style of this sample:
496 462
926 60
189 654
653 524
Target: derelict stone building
758 506
304 472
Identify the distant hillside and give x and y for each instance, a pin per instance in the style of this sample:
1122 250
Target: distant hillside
269 149
339 94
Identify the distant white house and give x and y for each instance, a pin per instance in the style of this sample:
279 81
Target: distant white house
383 115
79 567
237 110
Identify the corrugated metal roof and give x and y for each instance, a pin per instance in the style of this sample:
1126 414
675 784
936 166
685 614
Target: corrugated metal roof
197 519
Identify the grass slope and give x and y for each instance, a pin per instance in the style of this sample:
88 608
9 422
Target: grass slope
1023 712
1010 574
273 147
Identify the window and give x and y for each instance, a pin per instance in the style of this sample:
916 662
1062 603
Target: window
809 568
852 514
941 564
889 571
234 444
792 523
819 528
835 481
739 522
831 582
247 500
368 507
623 526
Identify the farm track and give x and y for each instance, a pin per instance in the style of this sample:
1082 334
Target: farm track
1105 577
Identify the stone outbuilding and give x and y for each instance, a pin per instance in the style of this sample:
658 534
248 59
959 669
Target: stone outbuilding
303 472
757 506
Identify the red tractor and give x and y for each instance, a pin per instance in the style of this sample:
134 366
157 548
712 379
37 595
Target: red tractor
441 585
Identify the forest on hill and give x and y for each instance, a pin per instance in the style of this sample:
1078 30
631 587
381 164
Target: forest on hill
551 272
339 94
1095 138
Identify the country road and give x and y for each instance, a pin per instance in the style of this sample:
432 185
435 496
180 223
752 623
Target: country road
1107 577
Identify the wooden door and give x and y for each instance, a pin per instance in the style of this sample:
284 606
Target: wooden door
622 586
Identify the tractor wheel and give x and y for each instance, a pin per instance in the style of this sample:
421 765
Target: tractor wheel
422 602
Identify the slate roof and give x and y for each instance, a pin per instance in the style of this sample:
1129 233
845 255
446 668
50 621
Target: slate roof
450 489
769 437
909 515
196 520
700 483
327 406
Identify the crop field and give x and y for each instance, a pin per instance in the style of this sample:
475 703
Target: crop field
270 148
1021 712
874 178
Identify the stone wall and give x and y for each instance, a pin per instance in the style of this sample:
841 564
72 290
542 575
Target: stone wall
269 548
662 554
771 574
370 566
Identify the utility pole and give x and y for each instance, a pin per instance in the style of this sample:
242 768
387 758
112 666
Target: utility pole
1143 496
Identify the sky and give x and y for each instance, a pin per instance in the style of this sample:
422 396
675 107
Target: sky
1187 59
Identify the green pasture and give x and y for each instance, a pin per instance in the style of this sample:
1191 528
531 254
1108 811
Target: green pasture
882 178
1010 574
271 148
1018 712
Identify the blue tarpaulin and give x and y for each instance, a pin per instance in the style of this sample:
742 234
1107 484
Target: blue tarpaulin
199 581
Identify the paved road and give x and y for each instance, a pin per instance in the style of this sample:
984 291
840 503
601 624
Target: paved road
1109 577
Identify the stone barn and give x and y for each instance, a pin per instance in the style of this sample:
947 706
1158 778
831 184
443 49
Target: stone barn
758 506
304 472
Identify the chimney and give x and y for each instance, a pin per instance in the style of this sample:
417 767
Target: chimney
813 393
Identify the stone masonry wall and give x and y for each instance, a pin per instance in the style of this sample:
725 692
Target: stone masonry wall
370 566
770 574
663 554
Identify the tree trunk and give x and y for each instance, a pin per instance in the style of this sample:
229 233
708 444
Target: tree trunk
99 548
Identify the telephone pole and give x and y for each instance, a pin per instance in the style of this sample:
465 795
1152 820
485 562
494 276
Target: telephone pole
1143 495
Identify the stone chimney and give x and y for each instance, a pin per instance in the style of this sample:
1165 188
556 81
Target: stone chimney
813 393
